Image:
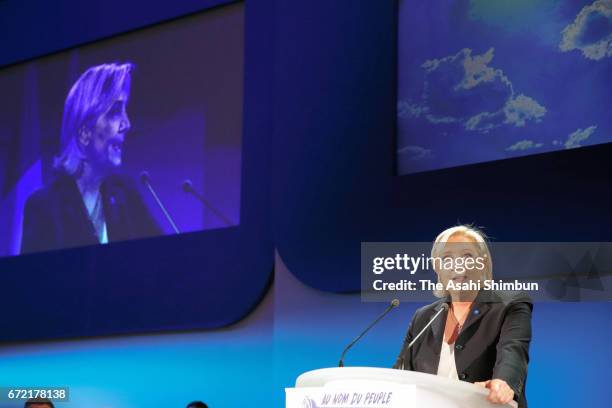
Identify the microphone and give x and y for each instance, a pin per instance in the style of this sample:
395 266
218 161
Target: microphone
189 189
441 308
144 179
394 303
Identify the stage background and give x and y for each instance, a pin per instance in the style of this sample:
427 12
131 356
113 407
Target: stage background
165 370
167 282
152 369
335 185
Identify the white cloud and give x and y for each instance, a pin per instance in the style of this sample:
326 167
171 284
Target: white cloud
415 152
485 121
521 109
580 135
524 145
591 31
464 88
406 109
477 71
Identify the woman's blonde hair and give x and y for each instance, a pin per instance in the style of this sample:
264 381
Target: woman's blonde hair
480 240
91 95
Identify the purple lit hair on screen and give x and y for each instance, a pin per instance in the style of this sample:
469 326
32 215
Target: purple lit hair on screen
91 95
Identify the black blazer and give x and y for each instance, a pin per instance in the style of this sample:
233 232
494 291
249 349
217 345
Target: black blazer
55 216
494 341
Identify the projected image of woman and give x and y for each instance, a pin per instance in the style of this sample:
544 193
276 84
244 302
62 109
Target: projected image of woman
482 336
88 202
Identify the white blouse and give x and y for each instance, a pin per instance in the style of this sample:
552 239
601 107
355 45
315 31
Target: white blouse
104 236
447 367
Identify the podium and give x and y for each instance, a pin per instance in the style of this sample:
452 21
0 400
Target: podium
376 387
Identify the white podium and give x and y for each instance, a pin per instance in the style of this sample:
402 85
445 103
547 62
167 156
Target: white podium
414 388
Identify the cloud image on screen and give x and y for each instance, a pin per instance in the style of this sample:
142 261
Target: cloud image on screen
484 80
136 136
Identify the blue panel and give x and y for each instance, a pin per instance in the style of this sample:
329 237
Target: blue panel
166 370
199 280
38 27
334 139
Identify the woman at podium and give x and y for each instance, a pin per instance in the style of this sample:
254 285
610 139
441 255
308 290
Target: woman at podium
479 336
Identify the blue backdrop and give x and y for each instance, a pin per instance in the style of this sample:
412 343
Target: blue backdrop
336 185
162 283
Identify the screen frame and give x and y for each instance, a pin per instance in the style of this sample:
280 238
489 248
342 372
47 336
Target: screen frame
122 303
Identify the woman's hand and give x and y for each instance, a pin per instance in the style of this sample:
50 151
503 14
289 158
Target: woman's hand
500 391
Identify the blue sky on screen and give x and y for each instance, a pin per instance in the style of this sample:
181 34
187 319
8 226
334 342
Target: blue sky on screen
483 80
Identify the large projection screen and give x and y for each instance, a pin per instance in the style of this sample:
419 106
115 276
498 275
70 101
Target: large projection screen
93 136
484 80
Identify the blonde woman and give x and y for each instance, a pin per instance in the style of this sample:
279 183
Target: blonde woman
88 201
483 336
